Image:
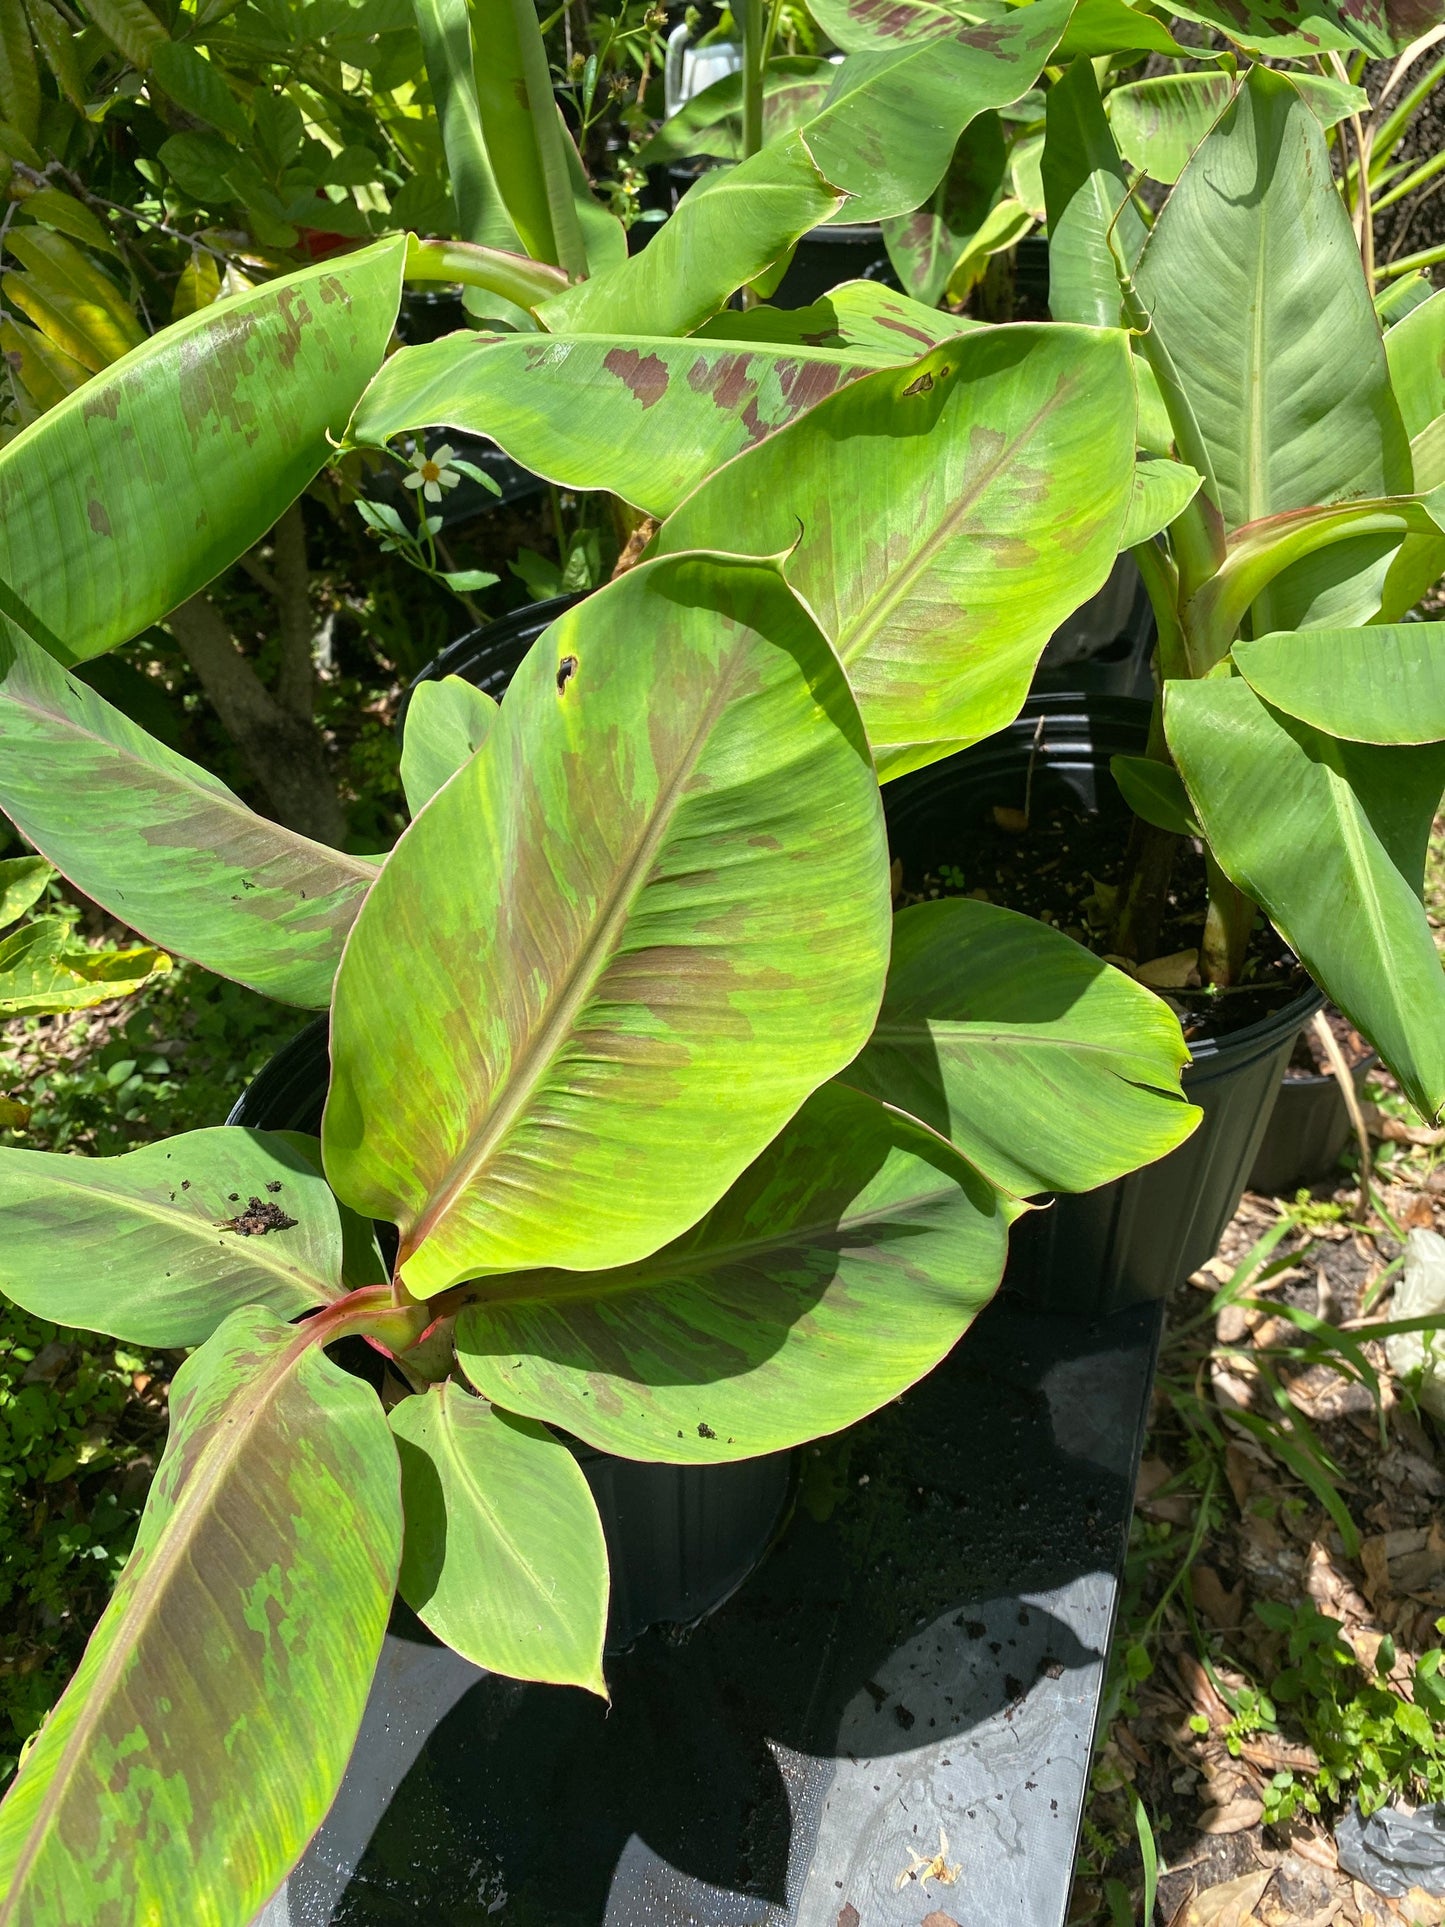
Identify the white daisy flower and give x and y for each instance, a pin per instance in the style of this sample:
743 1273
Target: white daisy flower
431 474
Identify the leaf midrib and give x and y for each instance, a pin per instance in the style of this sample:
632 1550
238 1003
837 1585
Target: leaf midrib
649 1273
853 640
1256 500
594 956
219 798
200 1489
477 1493
904 1032
176 1220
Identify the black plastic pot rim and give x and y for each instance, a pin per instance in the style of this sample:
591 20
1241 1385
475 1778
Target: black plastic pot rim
844 234
1263 1035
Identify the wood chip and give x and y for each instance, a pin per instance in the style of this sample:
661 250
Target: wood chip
1274 1754
1199 1690
1241 1470
1174 1508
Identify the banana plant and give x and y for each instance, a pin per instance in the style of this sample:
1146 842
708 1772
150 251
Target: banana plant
678 1163
1311 442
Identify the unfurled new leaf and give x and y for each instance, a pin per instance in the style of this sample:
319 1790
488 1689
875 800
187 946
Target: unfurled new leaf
504 1556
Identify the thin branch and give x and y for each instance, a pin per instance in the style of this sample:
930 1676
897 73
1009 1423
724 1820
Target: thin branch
1329 1043
260 574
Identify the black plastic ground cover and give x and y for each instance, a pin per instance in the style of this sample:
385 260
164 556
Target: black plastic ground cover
920 1656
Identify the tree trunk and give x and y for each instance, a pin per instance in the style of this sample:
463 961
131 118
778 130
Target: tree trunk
280 745
296 680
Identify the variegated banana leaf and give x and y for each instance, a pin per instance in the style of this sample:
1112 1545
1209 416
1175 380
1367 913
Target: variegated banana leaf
794 86
727 231
841 1266
885 326
1305 29
446 721
913 81
645 417
1330 838
1049 1069
648 417
133 492
925 245
1159 122
204 1736
163 844
161 1244
623 943
941 520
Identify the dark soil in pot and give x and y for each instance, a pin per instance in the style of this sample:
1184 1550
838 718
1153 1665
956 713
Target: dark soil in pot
1310 1126
680 1538
1032 819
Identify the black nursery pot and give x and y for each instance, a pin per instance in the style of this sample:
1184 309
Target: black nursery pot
490 656
1139 1237
680 1538
826 256
1308 1129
